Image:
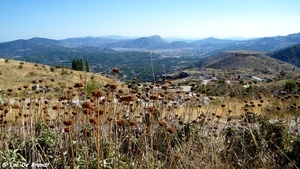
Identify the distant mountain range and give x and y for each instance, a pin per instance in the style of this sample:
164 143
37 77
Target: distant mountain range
197 48
132 55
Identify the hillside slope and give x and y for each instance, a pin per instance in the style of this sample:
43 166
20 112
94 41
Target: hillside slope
248 62
290 55
15 74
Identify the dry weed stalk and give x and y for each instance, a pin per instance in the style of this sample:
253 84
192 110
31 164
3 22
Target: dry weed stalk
149 127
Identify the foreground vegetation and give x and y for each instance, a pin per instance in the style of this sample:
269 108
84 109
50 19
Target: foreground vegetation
149 126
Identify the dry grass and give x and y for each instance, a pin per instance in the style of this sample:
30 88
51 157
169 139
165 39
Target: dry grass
13 76
142 127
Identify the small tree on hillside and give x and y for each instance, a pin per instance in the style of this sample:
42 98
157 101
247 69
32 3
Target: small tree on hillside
87 66
77 64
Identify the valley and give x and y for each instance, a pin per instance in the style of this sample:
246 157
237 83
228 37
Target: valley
132 56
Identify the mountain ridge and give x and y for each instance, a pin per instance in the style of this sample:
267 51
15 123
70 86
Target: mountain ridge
155 43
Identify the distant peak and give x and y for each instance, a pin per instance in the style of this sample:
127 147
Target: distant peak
212 38
155 37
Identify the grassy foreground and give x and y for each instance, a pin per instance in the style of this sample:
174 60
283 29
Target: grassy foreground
147 126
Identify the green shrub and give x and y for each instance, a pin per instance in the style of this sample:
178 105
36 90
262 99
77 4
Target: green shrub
52 69
290 86
64 72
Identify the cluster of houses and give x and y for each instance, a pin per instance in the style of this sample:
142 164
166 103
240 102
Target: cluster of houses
205 78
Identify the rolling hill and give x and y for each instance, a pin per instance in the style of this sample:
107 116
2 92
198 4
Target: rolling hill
15 74
290 55
21 48
247 62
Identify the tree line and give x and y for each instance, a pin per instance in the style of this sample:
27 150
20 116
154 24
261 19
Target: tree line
78 64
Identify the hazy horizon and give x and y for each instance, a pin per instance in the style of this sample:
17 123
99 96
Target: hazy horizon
224 19
169 39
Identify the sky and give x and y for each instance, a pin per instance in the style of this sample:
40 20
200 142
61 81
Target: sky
186 19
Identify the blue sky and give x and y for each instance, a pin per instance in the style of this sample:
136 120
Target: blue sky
190 19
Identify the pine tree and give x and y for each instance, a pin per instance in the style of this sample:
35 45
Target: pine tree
87 65
74 64
80 65
77 64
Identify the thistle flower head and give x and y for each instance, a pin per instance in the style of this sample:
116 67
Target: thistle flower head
112 86
68 129
121 122
132 123
94 120
87 105
78 85
127 98
171 130
150 109
96 93
162 123
154 97
68 122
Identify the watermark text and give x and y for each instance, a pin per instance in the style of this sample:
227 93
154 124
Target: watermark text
24 165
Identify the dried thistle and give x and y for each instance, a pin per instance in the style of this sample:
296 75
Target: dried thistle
121 122
87 105
68 122
78 85
56 107
171 130
94 120
68 129
162 123
112 86
132 123
96 93
154 97
150 109
127 98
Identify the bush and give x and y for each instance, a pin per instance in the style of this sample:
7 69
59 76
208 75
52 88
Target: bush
52 69
64 72
92 85
290 86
